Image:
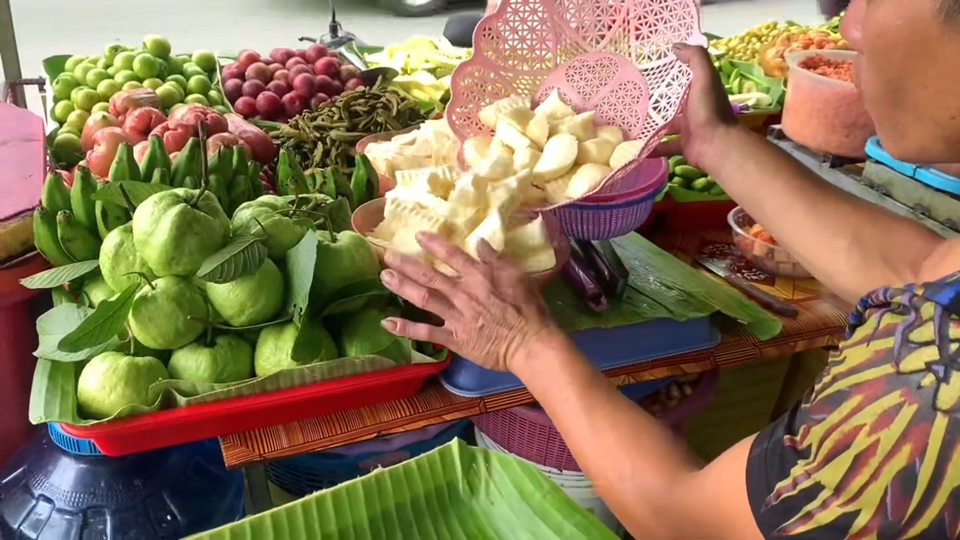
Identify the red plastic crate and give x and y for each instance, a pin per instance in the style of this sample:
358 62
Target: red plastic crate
198 422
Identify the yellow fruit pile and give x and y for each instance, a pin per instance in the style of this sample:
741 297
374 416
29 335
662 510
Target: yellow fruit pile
746 46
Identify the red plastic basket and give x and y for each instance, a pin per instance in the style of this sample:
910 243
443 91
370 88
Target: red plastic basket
528 432
198 422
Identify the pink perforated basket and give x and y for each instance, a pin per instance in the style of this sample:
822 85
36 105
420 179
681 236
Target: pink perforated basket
613 57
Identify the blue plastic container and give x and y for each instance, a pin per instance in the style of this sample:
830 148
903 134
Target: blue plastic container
606 348
303 475
921 173
69 492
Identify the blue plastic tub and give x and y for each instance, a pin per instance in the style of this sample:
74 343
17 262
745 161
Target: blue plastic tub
606 348
921 173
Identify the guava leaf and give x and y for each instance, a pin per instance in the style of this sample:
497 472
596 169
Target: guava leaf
242 256
301 260
54 391
261 326
338 212
352 297
59 276
55 65
103 325
61 321
137 191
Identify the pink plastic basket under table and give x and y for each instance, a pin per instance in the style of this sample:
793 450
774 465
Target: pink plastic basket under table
613 57
527 431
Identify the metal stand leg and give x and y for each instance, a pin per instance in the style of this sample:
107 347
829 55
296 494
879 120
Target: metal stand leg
9 56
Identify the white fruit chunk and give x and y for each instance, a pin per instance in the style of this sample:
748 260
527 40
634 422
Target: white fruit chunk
580 126
490 114
530 246
595 151
538 130
475 149
586 179
559 154
624 153
554 108
509 135
527 158
490 229
518 116
556 190
498 163
470 191
611 133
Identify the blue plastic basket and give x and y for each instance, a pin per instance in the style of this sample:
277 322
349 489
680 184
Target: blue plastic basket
303 475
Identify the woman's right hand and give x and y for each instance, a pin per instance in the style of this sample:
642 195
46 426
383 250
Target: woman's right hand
707 115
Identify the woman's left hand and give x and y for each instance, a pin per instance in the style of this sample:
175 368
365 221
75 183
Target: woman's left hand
491 314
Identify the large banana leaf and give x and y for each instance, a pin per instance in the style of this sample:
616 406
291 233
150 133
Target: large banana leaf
453 492
661 286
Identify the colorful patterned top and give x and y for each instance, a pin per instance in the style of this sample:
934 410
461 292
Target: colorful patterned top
874 449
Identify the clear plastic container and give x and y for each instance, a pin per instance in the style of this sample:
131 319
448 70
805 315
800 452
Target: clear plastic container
770 258
824 114
48 491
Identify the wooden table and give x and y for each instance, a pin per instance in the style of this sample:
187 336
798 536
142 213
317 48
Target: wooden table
821 323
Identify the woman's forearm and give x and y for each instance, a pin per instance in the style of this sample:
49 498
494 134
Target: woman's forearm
633 461
849 244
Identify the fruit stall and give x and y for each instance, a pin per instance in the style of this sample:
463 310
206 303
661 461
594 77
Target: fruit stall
192 250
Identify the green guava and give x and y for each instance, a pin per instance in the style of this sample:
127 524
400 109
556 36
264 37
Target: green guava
251 299
113 380
281 232
361 334
341 261
97 290
229 359
275 347
175 237
120 261
139 349
169 313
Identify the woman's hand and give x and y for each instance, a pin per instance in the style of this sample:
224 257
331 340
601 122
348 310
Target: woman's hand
707 114
491 314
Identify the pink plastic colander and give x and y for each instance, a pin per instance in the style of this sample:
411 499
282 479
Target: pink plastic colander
613 57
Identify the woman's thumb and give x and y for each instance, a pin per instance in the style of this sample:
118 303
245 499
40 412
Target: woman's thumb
695 57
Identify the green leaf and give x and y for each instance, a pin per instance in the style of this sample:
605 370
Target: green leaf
55 65
61 321
338 212
103 325
301 260
307 347
244 255
54 391
453 492
59 276
137 191
352 297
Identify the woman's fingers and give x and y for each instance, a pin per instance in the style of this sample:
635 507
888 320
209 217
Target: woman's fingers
423 297
419 331
448 253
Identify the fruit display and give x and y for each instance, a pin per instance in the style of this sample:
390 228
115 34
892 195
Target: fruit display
746 46
87 83
554 154
328 135
356 188
286 83
747 85
684 178
432 144
772 57
425 66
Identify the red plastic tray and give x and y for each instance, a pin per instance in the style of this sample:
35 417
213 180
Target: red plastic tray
198 422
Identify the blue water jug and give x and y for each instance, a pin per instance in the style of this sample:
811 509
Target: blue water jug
59 487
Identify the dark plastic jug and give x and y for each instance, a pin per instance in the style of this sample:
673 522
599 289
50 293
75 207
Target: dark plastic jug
64 491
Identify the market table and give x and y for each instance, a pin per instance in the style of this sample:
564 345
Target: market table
821 323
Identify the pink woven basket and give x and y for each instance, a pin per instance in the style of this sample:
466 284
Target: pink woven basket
613 57
528 432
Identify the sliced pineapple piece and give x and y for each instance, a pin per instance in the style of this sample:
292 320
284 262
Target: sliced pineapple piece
611 133
475 149
596 151
490 115
498 163
580 126
529 246
559 155
470 191
509 135
586 179
538 130
490 229
624 153
556 190
518 116
526 158
554 108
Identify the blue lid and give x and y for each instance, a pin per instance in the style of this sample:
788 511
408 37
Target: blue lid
920 173
80 447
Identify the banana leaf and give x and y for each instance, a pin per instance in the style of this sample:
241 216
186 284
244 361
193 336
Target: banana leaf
660 286
453 492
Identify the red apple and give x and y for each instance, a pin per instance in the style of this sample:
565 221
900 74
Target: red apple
302 53
278 88
295 61
253 88
232 71
268 104
282 76
348 71
336 87
327 66
246 106
325 85
318 100
260 72
305 85
299 70
353 84
233 89
292 104
247 58
314 53
105 144
282 55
